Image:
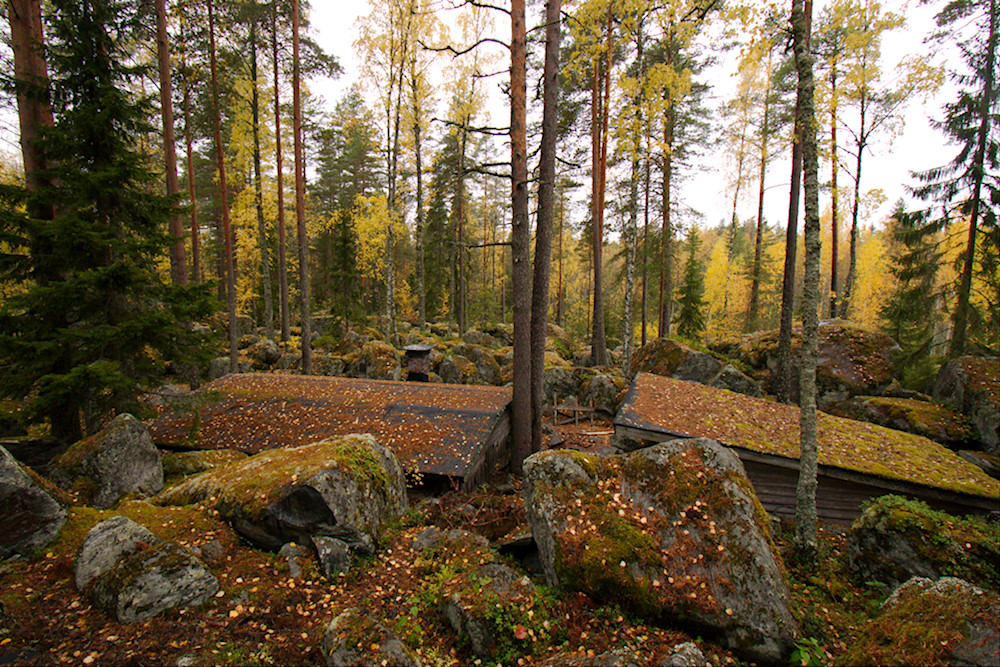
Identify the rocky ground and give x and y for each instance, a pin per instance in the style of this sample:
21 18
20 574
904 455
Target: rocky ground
272 609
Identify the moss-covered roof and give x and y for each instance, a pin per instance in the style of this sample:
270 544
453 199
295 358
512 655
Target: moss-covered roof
432 428
661 404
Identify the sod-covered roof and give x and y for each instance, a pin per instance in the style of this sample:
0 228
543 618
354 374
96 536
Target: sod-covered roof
431 428
667 406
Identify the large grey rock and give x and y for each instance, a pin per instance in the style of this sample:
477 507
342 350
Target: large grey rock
220 366
560 382
151 581
665 356
456 369
972 386
476 599
264 353
119 460
377 360
729 377
107 544
910 415
355 639
603 391
685 655
348 487
334 555
674 530
487 368
31 518
966 615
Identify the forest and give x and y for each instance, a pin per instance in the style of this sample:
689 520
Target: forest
166 161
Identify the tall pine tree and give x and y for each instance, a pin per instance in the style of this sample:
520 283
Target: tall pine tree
907 317
95 323
690 318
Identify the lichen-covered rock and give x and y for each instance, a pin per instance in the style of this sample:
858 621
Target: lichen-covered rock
851 360
334 555
671 358
456 369
731 378
604 391
355 639
151 581
107 544
487 369
377 361
220 366
348 487
895 539
264 353
665 356
116 461
924 622
619 657
31 518
671 531
559 341
972 386
191 463
685 655
482 339
328 365
474 602
930 420
559 382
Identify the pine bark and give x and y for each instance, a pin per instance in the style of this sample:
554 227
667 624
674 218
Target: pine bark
520 240
805 493
196 270
265 261
279 172
546 209
300 197
178 260
834 195
223 198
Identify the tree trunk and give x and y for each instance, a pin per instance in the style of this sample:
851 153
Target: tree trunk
601 104
667 231
223 199
781 380
845 306
461 296
300 196
546 208
196 269
758 245
834 195
520 240
178 261
265 261
805 493
282 251
419 231
32 89
959 336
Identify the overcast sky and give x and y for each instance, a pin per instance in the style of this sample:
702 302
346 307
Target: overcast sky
887 167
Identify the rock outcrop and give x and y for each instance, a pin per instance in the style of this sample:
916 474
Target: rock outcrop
910 415
671 531
355 639
119 460
972 386
347 487
671 358
31 518
924 622
133 576
895 539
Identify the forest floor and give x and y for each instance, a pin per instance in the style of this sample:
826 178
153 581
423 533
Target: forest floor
262 616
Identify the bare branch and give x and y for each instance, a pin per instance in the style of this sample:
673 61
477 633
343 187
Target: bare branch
461 52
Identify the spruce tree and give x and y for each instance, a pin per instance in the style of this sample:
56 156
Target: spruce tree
907 314
690 318
95 322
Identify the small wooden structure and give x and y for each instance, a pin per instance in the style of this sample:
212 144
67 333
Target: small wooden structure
460 432
765 437
418 362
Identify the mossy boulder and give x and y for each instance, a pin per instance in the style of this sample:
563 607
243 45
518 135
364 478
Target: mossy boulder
152 580
377 360
671 358
559 341
852 360
356 639
672 532
972 386
220 366
604 391
895 539
264 353
348 487
482 339
118 460
184 464
456 369
933 421
943 622
31 517
487 369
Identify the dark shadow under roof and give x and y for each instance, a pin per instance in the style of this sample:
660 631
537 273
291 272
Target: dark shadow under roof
437 429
